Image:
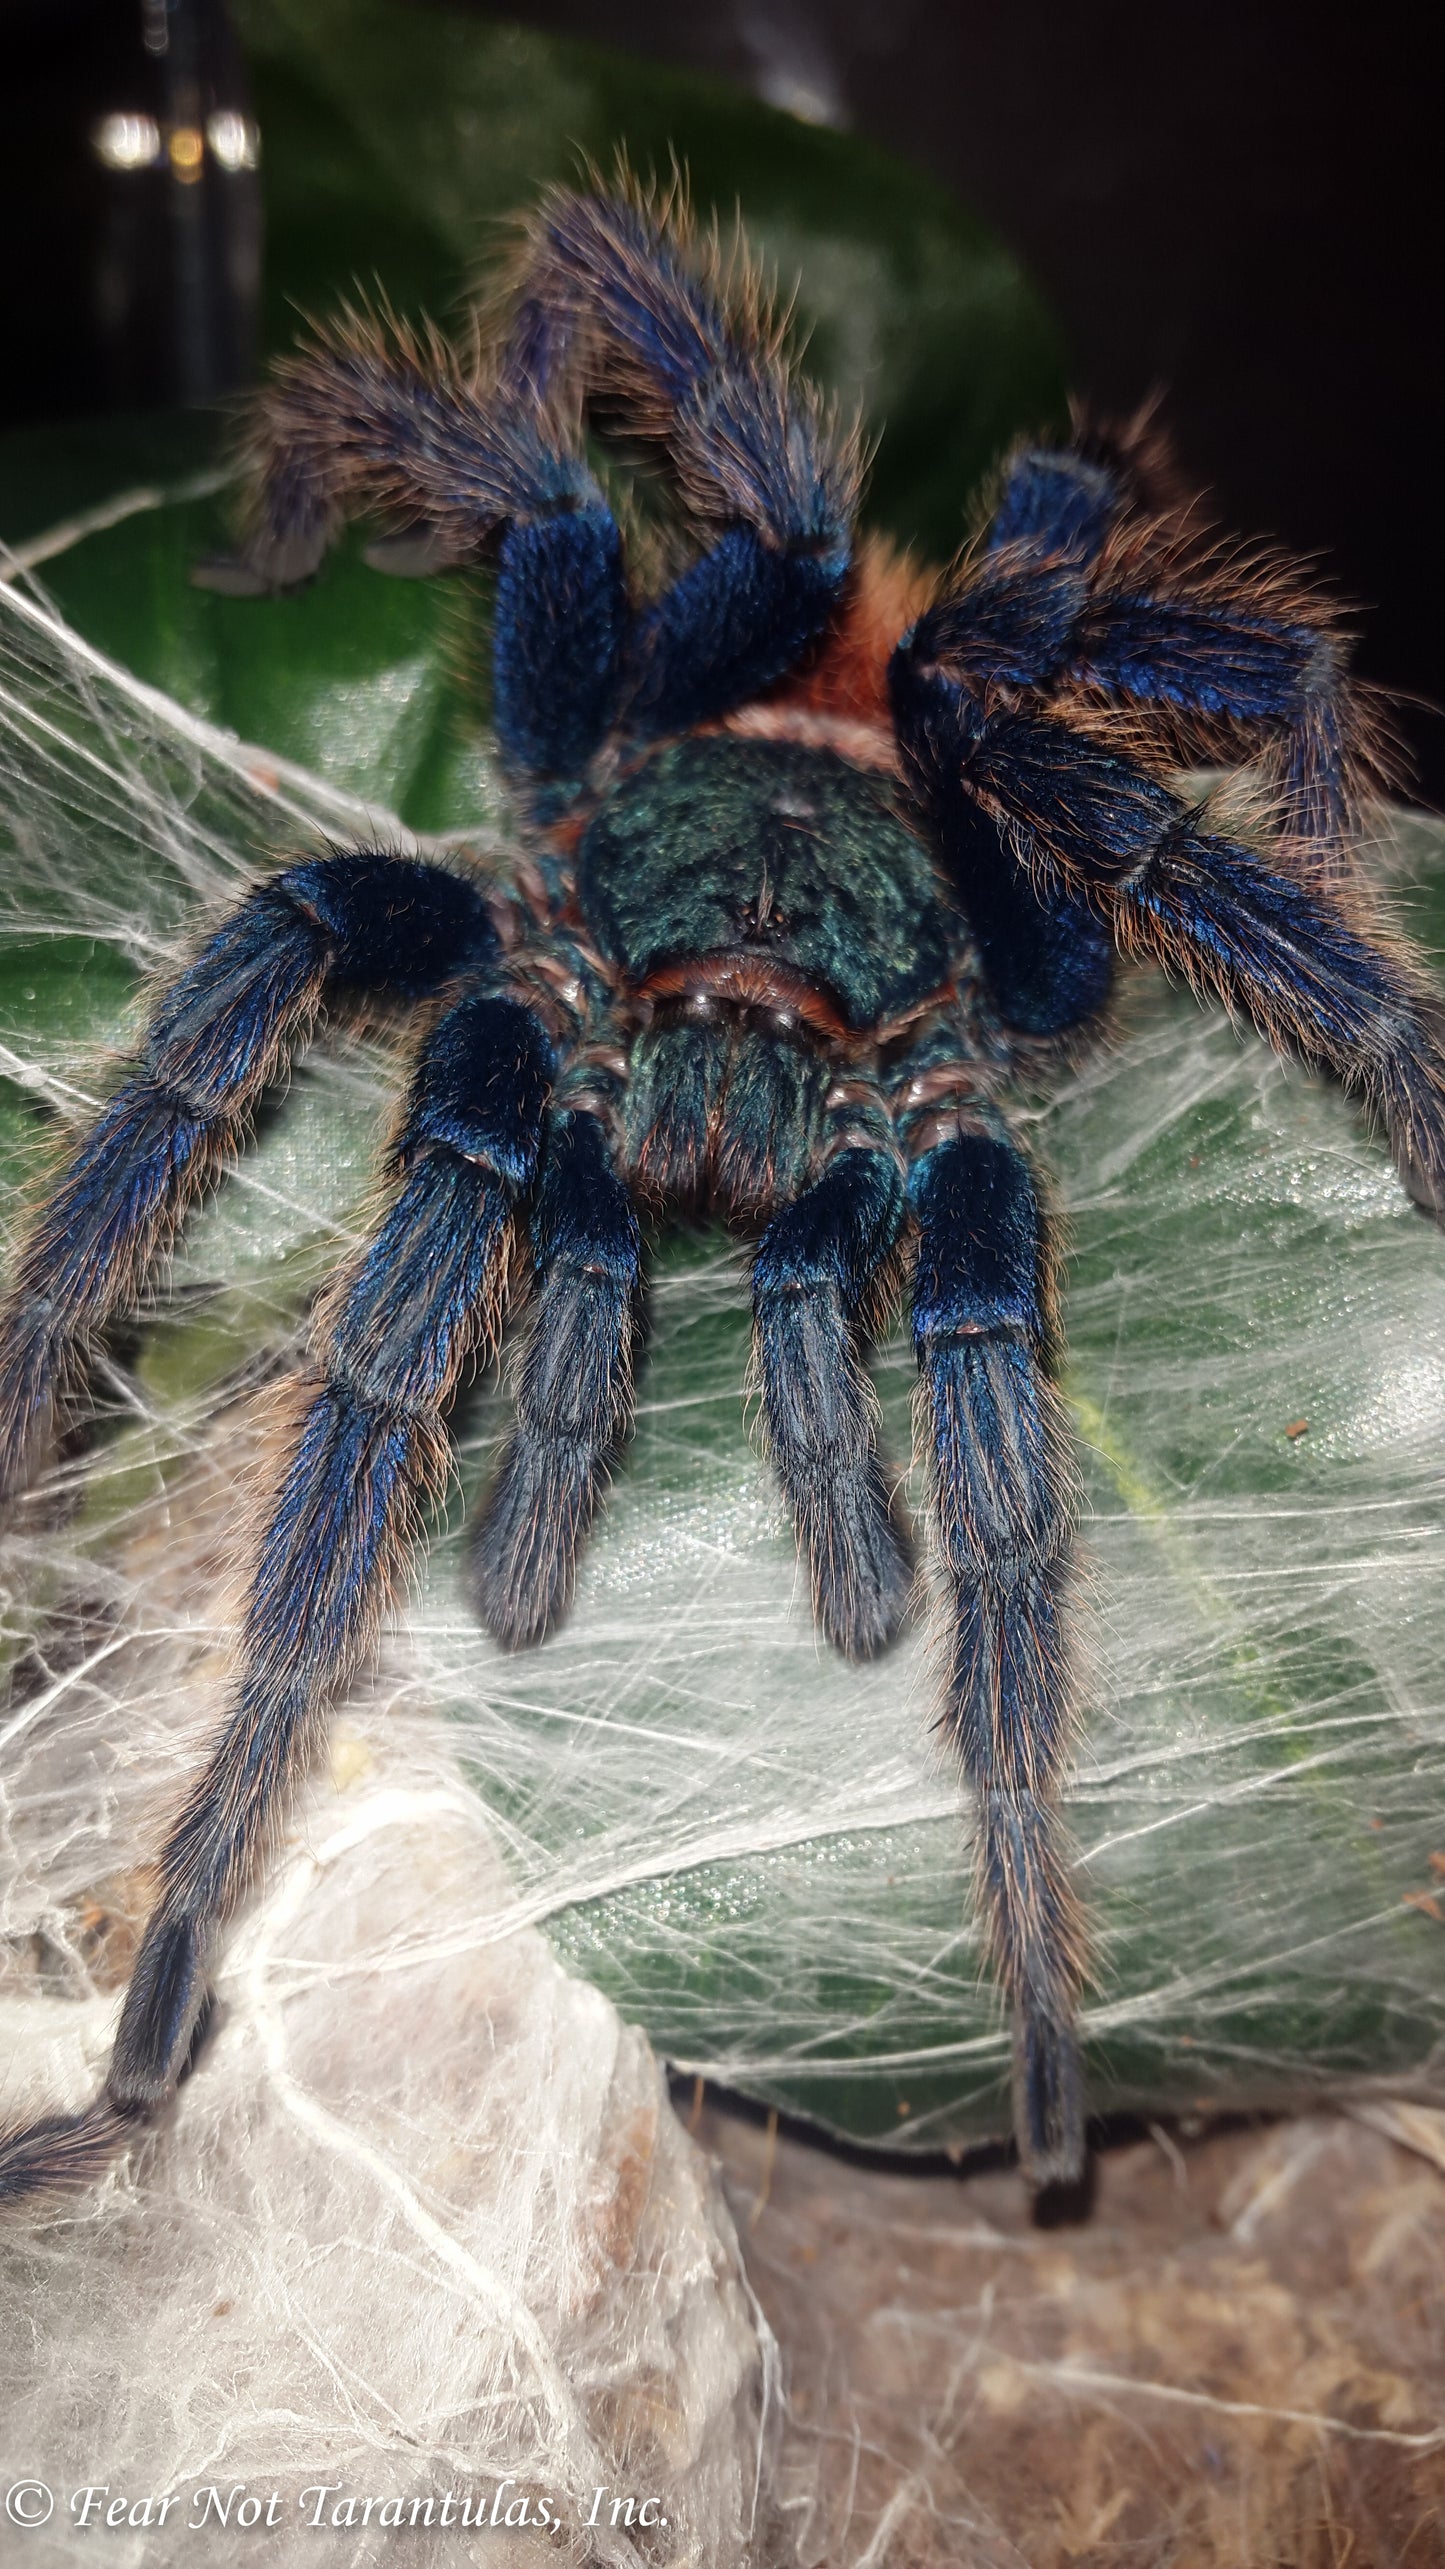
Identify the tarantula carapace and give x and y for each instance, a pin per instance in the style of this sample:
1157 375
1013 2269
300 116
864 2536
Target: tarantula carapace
817 855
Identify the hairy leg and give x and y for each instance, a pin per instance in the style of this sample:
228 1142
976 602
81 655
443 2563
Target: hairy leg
816 1269
693 362
1081 587
1302 962
372 418
574 1394
467 456
388 1347
1004 1513
224 1028
1047 956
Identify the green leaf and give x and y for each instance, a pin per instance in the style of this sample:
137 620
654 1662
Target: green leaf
396 141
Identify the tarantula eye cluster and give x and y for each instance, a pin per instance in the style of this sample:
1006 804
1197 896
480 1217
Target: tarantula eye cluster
816 857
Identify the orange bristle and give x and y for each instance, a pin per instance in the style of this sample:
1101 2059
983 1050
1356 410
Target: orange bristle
844 684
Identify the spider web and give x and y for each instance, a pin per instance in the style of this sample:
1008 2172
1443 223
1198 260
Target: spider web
756 1851
1257 1371
562 2299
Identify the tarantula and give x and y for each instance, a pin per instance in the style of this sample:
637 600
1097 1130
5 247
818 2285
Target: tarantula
818 856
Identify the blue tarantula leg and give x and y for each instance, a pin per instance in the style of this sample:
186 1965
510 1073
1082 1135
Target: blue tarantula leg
1280 949
1074 589
736 620
1056 502
373 418
1002 1490
559 627
1040 607
221 1031
1240 643
575 1390
1047 955
389 1346
701 370
764 472
1223 657
814 1277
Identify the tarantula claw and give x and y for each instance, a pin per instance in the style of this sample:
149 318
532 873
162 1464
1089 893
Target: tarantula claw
286 562
413 553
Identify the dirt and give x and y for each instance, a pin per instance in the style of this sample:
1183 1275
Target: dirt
1235 2359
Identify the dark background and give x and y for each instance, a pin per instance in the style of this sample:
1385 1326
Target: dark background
1234 208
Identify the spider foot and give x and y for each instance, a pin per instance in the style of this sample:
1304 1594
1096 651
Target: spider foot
527 1542
1048 2100
575 1390
64 2153
862 1568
